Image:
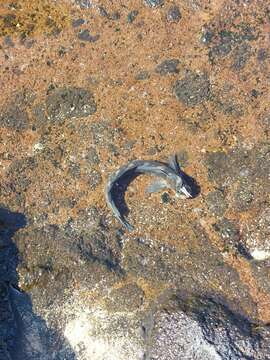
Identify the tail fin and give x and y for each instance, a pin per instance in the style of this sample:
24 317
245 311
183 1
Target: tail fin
126 224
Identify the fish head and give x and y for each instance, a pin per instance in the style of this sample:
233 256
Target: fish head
182 188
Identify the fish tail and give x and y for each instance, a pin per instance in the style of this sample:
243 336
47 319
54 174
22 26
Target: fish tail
126 224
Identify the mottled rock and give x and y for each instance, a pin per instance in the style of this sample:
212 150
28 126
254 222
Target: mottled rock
154 3
84 35
244 196
132 16
78 22
241 55
168 67
91 156
228 232
174 14
128 298
67 103
142 75
94 178
84 4
193 89
203 329
14 117
216 202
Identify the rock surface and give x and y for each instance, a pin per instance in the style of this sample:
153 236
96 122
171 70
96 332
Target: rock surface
87 86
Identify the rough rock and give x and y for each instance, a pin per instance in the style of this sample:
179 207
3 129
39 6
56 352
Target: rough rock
192 89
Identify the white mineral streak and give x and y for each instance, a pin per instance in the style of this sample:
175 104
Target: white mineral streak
99 335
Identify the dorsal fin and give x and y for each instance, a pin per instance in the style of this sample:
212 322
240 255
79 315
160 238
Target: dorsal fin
173 163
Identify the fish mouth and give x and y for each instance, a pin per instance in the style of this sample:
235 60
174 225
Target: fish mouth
186 192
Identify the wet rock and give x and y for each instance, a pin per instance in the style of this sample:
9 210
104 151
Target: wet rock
202 328
174 14
168 67
216 202
128 298
193 89
132 16
84 35
7 323
67 103
142 75
154 3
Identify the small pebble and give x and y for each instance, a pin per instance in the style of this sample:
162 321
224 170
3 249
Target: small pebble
86 36
132 16
154 3
173 14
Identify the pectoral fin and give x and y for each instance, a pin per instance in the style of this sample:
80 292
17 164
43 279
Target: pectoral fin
156 186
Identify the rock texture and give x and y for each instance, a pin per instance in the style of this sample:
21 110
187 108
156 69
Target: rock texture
87 86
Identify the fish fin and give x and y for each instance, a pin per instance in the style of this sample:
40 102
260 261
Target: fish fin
173 163
156 186
127 225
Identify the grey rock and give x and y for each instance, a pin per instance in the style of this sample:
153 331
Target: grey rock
128 298
154 3
67 103
216 202
92 156
168 67
85 35
244 196
94 179
142 75
241 55
193 89
228 232
14 117
174 14
132 16
263 54
207 36
78 22
84 4
194 329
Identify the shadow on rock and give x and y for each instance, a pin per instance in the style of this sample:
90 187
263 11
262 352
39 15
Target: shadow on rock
23 334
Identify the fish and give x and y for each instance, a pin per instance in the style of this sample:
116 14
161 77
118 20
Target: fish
170 174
